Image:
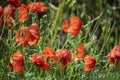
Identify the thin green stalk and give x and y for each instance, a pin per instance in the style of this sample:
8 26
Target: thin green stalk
2 31
28 70
53 6
116 36
106 40
98 17
66 41
54 30
88 28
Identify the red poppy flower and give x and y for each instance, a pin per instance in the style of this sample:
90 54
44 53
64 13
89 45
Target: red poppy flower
114 54
22 13
1 16
49 53
14 3
80 52
37 60
28 35
1 11
89 63
9 15
38 7
72 25
17 61
64 56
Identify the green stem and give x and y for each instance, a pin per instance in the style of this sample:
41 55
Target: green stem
2 31
57 19
93 20
66 41
106 40
28 70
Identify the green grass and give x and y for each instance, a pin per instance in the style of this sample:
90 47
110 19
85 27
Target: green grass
99 33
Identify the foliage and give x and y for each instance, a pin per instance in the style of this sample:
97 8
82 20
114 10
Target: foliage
99 33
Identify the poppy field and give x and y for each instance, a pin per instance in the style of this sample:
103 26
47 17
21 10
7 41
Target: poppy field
59 39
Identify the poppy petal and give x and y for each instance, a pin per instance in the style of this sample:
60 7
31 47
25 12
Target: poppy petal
89 63
14 3
65 55
22 13
18 61
72 25
37 60
80 52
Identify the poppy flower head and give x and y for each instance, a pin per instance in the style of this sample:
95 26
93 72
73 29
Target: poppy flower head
22 13
65 56
72 25
38 7
17 56
66 25
1 16
17 61
80 52
9 15
37 60
114 54
1 11
23 36
14 3
89 62
33 29
28 35
49 53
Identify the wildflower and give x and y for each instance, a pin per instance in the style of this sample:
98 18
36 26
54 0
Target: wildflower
89 63
80 52
72 25
38 7
66 25
17 61
49 53
37 60
9 15
28 35
14 3
64 57
22 13
1 11
1 16
114 56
